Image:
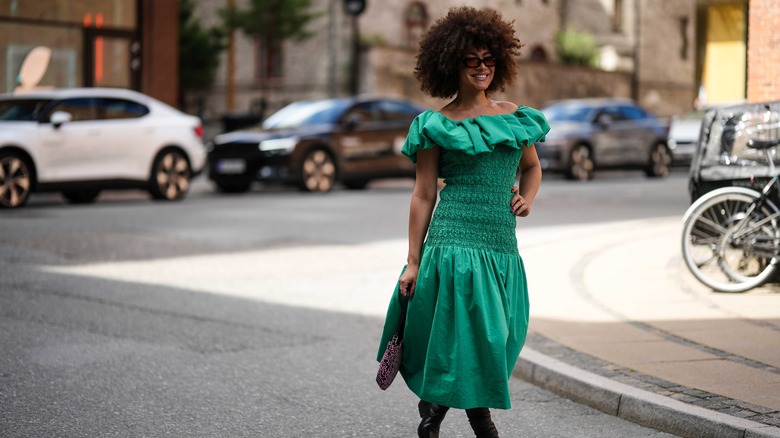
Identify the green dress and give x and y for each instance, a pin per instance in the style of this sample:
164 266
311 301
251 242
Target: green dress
468 318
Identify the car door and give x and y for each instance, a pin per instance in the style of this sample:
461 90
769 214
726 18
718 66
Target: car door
363 139
398 116
640 133
126 147
71 151
608 145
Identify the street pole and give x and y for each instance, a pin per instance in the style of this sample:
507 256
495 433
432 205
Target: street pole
355 76
230 104
354 8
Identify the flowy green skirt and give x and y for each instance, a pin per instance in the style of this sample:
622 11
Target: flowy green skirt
465 327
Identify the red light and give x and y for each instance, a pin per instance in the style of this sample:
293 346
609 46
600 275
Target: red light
199 131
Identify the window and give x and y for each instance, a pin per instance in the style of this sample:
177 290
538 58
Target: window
398 111
80 108
538 54
269 59
111 108
633 113
617 16
416 22
26 110
363 113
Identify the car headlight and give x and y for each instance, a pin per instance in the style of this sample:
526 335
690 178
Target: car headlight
276 144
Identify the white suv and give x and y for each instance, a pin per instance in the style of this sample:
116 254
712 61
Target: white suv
80 141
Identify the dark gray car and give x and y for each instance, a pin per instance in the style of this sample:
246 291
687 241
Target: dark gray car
590 134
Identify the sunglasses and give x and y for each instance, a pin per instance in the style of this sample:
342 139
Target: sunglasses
489 61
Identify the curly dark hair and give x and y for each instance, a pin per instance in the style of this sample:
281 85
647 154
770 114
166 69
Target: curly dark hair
441 49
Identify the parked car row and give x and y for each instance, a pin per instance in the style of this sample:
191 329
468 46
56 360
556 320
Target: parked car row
82 141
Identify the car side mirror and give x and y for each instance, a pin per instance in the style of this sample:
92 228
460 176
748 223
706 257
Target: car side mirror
604 121
58 118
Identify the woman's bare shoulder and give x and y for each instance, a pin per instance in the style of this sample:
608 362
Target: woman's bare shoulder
506 106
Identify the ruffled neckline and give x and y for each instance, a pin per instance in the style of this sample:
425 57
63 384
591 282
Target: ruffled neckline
473 119
475 135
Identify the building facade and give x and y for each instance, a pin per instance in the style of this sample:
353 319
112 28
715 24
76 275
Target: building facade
648 52
763 56
94 43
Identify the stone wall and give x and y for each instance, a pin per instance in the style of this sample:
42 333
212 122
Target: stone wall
537 84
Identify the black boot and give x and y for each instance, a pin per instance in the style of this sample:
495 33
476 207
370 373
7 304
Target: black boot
480 421
432 415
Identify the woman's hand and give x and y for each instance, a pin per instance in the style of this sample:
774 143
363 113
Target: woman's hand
408 280
518 204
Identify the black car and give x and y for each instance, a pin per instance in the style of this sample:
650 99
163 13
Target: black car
317 143
591 134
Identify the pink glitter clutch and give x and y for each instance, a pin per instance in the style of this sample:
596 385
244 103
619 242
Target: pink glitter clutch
391 360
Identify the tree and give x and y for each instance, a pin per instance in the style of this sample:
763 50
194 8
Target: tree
577 48
273 20
199 50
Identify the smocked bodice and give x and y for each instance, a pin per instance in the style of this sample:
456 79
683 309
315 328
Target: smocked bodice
479 159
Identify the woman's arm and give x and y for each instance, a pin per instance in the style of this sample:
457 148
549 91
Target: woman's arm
530 180
420 212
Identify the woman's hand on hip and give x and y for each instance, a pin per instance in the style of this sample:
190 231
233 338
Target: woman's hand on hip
518 204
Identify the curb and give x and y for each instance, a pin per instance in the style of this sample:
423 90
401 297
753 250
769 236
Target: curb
633 404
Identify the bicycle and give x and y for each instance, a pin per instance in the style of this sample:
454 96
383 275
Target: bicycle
731 235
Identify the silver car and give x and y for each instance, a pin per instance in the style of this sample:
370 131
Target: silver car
591 134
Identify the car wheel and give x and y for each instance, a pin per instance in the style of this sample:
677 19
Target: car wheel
660 161
171 175
82 197
318 171
225 187
581 163
15 180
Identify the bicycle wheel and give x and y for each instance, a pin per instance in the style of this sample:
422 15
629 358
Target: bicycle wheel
723 251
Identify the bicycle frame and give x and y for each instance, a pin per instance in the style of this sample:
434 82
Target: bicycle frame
740 229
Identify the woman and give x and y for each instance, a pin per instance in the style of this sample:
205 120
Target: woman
468 303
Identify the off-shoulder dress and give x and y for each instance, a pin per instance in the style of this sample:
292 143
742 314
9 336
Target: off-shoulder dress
468 319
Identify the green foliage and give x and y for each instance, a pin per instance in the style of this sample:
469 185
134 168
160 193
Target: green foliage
577 48
273 20
199 50
373 40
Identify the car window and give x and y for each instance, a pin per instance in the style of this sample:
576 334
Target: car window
398 111
630 112
113 108
569 113
306 113
365 112
80 108
22 109
610 114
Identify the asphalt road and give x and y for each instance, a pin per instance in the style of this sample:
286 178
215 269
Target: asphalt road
121 355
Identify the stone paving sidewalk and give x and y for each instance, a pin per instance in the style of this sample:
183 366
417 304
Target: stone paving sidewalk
615 300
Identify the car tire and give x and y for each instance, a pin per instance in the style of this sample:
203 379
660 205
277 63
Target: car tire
225 187
317 171
171 176
581 164
81 197
16 180
660 161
